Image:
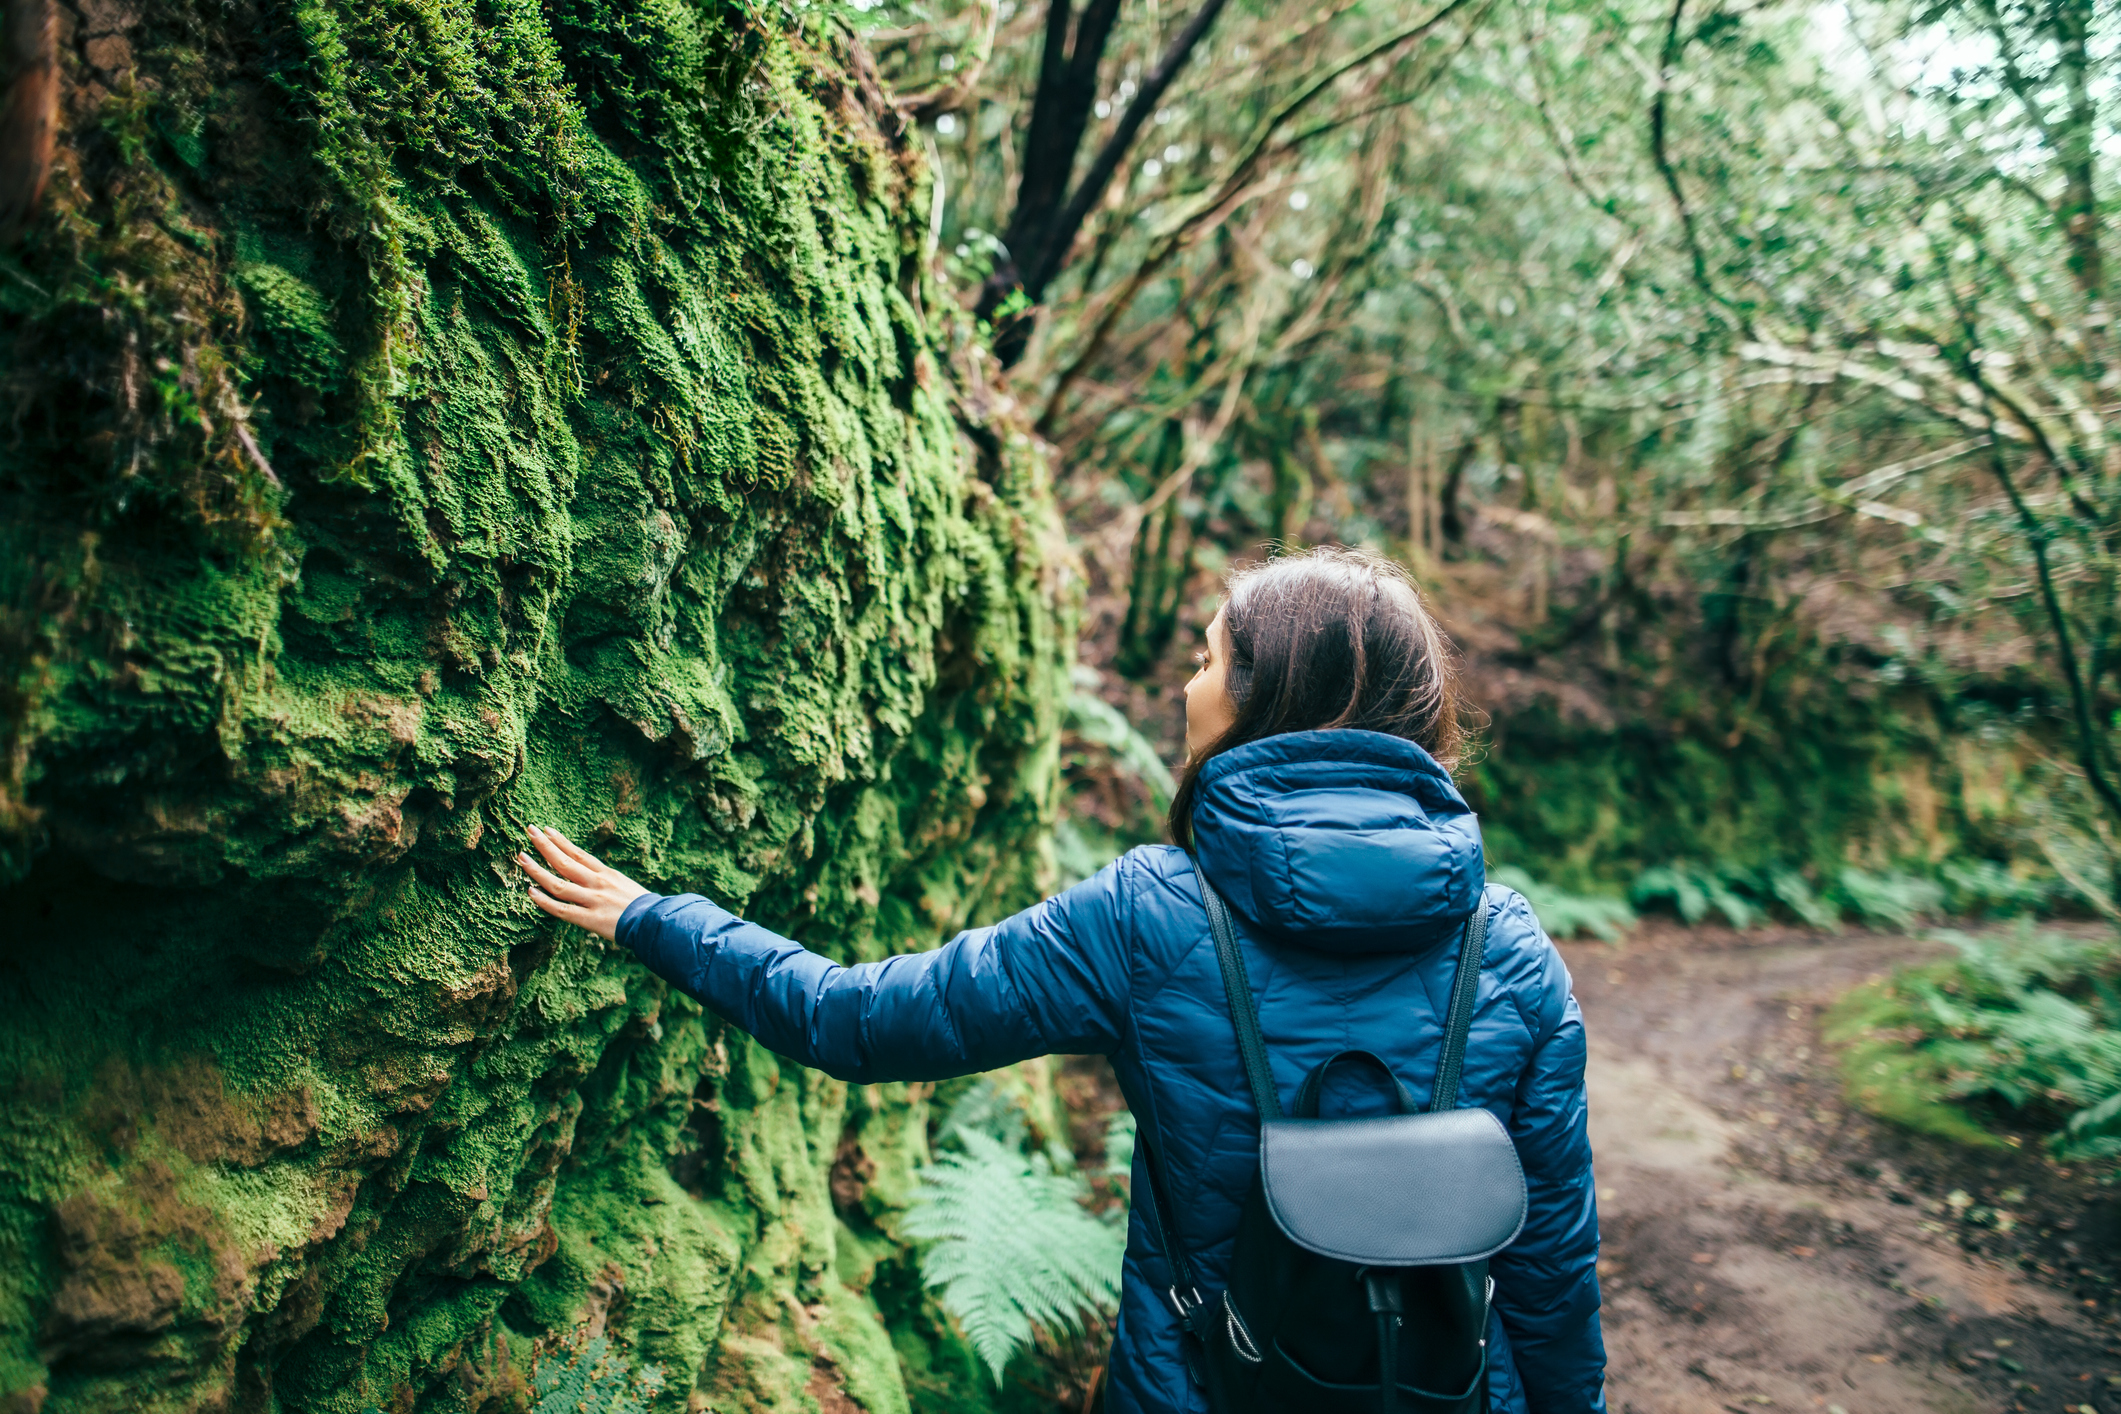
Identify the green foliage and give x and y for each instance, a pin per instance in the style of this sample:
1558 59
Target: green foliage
1693 890
1581 806
1983 887
1695 449
1117 783
1099 723
1896 899
1119 1144
1081 848
594 1380
985 1107
1010 1246
1794 892
1892 898
2030 1019
1564 914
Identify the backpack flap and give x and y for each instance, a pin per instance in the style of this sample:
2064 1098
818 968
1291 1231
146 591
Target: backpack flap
1409 1190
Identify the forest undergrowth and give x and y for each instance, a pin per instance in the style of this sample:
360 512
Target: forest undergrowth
711 428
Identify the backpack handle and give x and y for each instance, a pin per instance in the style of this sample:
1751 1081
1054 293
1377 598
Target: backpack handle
1307 1099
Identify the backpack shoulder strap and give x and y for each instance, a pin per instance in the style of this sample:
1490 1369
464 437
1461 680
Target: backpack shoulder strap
1459 1022
1244 1012
1184 1293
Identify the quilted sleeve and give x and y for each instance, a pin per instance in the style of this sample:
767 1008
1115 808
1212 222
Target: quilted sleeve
1050 979
1546 1283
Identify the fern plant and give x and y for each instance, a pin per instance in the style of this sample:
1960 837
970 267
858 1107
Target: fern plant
1010 1248
1100 745
1977 886
1100 723
1892 898
1896 899
594 1380
2033 1019
1794 892
1119 1144
1564 914
1693 891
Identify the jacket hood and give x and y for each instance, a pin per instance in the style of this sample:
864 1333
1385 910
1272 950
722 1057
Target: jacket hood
1339 841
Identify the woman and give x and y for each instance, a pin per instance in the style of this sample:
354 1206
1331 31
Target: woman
1317 798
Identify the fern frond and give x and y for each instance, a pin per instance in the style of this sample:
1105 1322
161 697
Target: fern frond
1011 1248
1563 914
1793 892
2033 1018
1896 900
593 1381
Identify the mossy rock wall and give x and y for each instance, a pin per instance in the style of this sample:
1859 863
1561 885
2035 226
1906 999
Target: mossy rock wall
425 418
1783 780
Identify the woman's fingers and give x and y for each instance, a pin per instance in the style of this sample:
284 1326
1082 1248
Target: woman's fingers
553 846
578 887
574 885
557 887
580 854
566 911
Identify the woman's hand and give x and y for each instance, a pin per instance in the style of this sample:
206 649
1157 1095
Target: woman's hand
580 888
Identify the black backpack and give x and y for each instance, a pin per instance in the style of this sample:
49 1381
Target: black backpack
1359 1281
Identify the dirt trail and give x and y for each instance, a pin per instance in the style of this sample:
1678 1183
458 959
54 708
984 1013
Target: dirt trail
1765 1249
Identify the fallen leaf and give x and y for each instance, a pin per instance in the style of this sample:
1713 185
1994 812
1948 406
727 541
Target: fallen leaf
1804 1252
1704 1258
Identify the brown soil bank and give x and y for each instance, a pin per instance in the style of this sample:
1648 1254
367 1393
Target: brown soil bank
1767 1249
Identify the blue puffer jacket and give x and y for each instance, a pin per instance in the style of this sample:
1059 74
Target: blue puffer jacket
1350 860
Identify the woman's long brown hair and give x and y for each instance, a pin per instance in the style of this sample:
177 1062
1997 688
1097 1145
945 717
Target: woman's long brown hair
1330 638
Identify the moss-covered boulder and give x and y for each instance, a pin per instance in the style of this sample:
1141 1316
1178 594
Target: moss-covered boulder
423 418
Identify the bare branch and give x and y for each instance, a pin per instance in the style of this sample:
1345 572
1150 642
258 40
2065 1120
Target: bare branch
949 96
1227 192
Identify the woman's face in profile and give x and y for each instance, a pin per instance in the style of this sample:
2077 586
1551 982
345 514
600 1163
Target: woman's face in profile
1209 710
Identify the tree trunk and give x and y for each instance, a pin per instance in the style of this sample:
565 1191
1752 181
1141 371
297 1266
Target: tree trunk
423 421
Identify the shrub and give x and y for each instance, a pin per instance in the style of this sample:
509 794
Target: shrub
1896 899
2031 1019
1893 898
1693 891
1117 785
1564 914
1984 887
1010 1247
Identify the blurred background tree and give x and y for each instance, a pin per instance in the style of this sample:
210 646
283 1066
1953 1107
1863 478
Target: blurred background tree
1737 380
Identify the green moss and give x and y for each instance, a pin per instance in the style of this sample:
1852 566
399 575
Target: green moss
616 482
1875 783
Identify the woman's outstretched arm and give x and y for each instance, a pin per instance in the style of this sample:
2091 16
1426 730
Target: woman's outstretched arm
1050 979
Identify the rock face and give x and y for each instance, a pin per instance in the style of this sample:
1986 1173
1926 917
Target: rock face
424 420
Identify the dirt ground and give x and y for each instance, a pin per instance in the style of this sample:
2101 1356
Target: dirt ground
1766 1249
